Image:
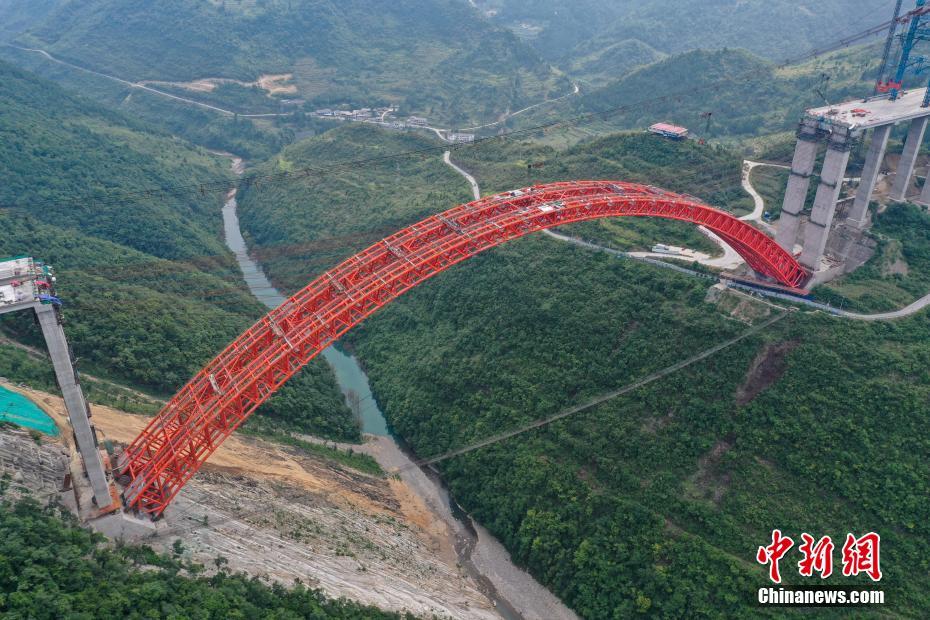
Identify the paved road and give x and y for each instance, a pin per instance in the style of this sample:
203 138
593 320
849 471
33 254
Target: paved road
142 86
906 311
446 157
224 111
731 258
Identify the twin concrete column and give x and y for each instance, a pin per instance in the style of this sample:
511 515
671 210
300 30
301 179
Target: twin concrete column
74 402
859 214
902 181
831 182
802 166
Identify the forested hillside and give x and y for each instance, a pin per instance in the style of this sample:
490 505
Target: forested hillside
773 29
745 94
430 56
17 16
150 291
308 225
655 502
303 227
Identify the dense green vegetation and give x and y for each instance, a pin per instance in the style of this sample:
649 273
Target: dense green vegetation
109 161
430 56
309 403
252 139
708 172
898 273
748 96
51 568
302 227
307 225
16 17
656 501
150 290
773 29
650 504
600 62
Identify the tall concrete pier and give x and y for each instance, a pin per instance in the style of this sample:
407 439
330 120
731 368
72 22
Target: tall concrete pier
28 285
840 127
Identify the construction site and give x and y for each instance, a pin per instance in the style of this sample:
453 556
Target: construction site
390 538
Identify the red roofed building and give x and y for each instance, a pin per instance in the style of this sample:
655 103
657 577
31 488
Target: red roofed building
667 130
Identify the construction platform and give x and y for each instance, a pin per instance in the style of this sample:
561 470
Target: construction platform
859 115
19 288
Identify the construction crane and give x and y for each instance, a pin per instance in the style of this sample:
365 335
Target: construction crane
707 116
918 30
879 85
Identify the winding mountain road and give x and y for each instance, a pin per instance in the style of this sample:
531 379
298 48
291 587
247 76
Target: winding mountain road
757 212
140 85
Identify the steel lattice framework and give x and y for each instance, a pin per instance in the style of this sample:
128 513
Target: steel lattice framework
224 393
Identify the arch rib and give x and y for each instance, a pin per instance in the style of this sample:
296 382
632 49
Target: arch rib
227 390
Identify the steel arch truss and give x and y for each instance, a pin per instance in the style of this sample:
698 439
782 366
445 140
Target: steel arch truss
224 393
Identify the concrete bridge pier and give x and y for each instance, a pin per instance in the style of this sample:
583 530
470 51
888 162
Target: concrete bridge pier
78 411
859 214
799 180
828 192
840 125
902 181
924 198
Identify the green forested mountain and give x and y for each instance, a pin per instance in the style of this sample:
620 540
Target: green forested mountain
598 61
773 29
303 227
150 290
431 56
17 16
656 501
104 157
747 96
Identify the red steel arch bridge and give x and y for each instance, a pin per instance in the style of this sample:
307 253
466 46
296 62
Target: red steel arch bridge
177 441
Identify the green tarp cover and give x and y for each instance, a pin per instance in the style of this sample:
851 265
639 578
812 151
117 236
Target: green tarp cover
23 412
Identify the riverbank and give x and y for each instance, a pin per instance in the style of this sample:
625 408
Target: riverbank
422 497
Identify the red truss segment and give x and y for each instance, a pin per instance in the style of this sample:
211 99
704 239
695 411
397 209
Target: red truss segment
224 393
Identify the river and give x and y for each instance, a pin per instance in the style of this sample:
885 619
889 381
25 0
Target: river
514 593
349 374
